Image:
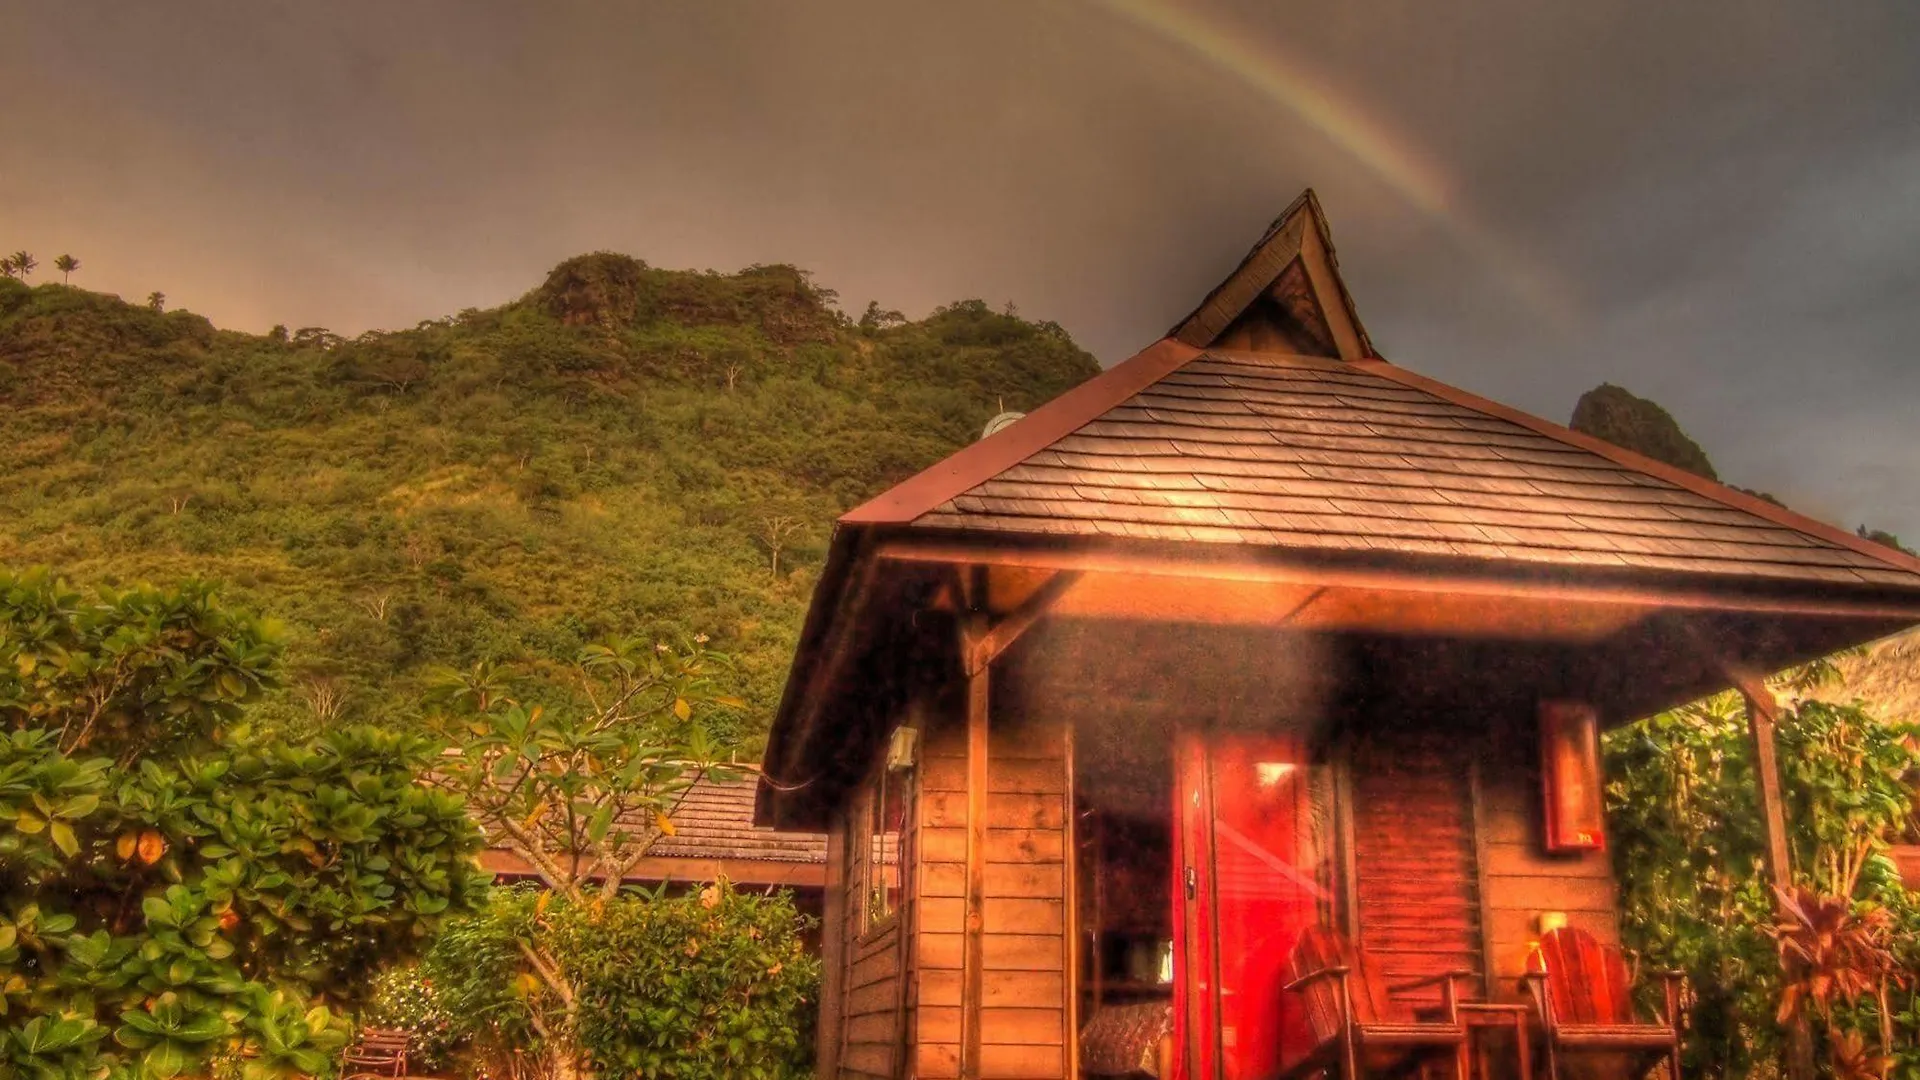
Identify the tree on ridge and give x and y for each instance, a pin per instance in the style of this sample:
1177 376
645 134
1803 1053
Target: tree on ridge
66 264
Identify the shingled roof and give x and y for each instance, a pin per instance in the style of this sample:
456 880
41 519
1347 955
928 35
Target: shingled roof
715 821
1250 448
1201 438
714 834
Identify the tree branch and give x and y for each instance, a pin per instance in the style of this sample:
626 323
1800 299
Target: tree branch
549 973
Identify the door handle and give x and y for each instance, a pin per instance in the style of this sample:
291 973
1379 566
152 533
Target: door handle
1193 883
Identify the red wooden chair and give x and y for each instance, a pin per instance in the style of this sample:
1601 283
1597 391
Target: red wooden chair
376 1052
1585 1000
1358 1028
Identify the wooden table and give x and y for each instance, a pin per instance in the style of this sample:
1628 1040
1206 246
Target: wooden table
1481 1015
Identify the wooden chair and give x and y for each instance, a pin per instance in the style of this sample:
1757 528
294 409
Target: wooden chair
376 1052
1358 1028
1585 1001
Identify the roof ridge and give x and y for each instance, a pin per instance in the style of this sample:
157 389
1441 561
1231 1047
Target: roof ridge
1660 470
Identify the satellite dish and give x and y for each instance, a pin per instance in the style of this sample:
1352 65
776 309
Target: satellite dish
1001 421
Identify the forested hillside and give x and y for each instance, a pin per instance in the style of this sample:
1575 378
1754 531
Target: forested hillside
623 450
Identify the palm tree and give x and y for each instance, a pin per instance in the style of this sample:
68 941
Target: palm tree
23 264
157 301
66 264
6 266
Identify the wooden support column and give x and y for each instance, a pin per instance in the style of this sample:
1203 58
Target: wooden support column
1070 913
982 639
1762 710
829 1033
973 952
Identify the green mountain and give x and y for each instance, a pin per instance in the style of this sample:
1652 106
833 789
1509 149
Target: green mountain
624 449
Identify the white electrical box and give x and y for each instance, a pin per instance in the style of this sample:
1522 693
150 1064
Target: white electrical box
900 751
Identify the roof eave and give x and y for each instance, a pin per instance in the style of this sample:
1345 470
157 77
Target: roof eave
797 705
1407 571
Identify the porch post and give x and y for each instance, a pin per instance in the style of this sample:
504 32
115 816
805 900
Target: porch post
982 639
1766 766
973 946
1761 712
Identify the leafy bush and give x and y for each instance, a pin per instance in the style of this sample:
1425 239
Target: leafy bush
714 983
474 971
174 885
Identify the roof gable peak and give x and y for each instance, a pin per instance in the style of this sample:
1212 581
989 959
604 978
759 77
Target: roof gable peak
1285 296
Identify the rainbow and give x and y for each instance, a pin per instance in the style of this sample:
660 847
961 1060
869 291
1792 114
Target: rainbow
1395 160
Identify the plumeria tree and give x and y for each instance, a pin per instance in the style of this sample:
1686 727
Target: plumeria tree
578 776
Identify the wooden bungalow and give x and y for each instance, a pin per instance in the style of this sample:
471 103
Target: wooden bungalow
1252 639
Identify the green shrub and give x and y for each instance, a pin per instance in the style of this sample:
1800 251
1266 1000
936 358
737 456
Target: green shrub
716 983
472 972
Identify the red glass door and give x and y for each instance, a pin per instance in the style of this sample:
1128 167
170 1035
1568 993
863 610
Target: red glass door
1246 886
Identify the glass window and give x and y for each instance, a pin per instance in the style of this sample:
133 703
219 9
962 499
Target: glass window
885 827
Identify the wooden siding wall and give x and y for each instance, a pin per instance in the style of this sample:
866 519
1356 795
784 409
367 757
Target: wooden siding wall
1024 989
868 1005
1520 879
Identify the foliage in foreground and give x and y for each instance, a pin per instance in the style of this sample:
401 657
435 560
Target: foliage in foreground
173 886
1682 805
404 998
578 776
713 983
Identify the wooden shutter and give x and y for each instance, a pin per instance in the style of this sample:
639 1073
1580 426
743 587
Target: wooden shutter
1416 875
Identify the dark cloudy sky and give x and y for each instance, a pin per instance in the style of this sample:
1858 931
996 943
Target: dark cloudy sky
1715 205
